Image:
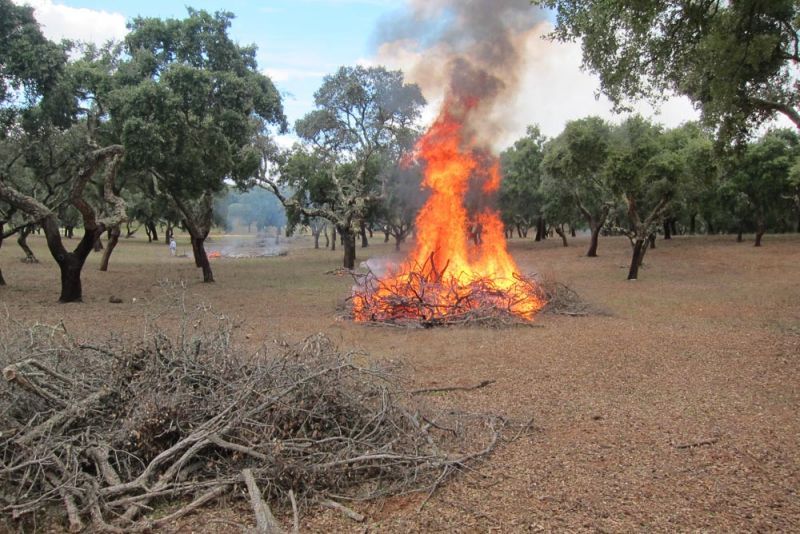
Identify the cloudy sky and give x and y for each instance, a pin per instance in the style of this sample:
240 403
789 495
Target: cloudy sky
300 41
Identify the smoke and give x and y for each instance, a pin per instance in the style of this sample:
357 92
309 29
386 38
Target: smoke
470 53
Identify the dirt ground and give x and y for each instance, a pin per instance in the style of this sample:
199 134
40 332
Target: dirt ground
677 411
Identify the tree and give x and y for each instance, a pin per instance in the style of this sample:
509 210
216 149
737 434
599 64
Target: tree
403 201
51 142
188 106
520 198
364 116
759 179
736 60
573 165
643 169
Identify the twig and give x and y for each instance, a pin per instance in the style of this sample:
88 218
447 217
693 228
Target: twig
699 443
479 385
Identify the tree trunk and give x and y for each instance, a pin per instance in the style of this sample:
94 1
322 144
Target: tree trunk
153 229
673 225
572 231
168 233
201 258
22 241
592 252
739 235
112 242
652 239
70 263
333 238
709 227
364 242
760 230
692 223
97 246
2 280
667 230
560 231
540 229
386 235
316 238
327 239
349 243
636 259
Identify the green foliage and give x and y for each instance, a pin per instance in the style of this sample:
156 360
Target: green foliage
737 60
189 102
521 201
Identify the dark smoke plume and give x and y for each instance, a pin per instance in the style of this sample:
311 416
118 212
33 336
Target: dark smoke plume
468 51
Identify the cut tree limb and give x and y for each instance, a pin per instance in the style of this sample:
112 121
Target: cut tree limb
349 512
265 521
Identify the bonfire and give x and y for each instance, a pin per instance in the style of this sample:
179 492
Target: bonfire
459 270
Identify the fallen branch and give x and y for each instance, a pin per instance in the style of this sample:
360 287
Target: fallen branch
349 512
699 443
265 521
479 385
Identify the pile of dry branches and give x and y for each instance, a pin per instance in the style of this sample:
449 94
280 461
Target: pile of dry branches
109 434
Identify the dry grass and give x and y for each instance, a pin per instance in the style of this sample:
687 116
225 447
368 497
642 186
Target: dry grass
705 347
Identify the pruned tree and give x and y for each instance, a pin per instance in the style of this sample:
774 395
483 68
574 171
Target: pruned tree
363 116
573 166
188 107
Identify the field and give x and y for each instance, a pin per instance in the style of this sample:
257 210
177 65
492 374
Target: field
676 410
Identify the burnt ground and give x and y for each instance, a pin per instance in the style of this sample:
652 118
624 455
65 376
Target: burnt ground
677 411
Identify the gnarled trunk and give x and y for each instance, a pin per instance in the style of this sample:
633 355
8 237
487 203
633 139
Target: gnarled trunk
70 263
153 230
636 259
113 239
22 241
667 230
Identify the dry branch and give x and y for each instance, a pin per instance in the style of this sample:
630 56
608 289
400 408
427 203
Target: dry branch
479 385
265 521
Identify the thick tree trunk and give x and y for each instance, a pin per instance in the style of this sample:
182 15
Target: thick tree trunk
593 241
692 223
97 246
386 235
333 239
572 231
112 243
652 239
22 241
667 230
560 231
739 235
70 263
636 259
541 230
349 243
364 241
201 258
673 225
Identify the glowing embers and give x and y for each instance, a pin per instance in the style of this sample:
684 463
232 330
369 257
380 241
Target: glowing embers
459 270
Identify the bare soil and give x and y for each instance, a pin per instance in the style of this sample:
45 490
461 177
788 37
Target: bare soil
676 411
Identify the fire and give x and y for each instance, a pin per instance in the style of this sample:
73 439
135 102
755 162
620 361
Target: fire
460 264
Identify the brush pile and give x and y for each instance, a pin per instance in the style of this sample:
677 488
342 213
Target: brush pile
117 438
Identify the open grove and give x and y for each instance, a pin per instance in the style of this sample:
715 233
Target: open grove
393 324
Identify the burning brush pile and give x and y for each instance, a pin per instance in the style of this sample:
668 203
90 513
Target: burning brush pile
125 439
469 56
459 271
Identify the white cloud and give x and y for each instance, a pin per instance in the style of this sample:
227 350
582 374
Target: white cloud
60 21
278 74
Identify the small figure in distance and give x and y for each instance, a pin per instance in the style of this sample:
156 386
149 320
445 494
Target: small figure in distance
173 247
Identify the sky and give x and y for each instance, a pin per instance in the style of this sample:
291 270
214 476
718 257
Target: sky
300 41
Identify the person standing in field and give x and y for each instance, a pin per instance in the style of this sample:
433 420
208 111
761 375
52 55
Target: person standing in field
173 246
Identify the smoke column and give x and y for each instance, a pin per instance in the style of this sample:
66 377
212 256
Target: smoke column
470 52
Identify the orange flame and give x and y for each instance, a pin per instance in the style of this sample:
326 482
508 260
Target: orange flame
452 251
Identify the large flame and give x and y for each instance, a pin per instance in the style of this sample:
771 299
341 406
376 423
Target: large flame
459 262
